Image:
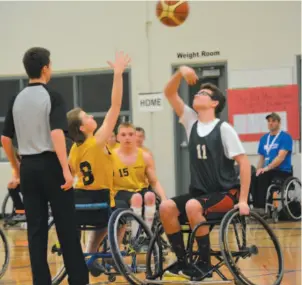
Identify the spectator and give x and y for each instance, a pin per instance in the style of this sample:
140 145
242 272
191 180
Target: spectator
275 150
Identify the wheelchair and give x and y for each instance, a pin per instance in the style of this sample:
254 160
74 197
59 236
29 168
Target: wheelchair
283 199
234 251
130 246
59 273
5 253
9 212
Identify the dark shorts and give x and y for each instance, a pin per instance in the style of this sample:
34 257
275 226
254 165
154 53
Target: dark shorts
98 218
213 204
123 197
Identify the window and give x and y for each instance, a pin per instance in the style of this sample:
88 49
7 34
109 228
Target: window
8 89
63 85
1 129
2 153
95 92
122 118
99 120
92 92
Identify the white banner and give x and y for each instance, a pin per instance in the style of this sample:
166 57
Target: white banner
256 123
150 102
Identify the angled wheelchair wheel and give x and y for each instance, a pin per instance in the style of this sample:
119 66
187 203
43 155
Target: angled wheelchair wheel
156 245
131 262
5 253
250 249
291 198
55 257
7 209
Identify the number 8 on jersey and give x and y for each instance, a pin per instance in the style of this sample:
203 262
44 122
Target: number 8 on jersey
87 173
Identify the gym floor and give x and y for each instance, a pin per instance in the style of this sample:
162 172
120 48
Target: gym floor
289 235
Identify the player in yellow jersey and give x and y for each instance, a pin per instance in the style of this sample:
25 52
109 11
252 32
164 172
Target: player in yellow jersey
112 142
133 168
140 135
90 161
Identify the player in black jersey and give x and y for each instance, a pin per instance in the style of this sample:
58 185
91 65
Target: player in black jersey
214 146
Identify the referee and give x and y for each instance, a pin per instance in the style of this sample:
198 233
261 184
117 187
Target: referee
37 116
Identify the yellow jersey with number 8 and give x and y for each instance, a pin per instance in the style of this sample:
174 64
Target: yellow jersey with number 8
129 177
92 166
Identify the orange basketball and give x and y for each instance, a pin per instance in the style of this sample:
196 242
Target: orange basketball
172 13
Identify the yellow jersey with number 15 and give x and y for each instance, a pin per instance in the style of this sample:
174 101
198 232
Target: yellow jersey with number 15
129 177
92 166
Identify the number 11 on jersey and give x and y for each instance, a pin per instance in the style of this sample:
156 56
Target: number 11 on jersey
203 150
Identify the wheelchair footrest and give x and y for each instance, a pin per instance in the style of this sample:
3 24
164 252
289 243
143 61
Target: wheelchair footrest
212 282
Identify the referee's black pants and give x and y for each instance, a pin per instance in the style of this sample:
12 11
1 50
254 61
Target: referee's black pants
41 178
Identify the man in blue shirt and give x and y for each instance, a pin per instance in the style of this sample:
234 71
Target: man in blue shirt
275 150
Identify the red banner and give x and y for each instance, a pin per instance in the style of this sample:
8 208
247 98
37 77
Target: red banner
247 109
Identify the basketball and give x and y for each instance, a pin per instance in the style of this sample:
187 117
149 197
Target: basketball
172 13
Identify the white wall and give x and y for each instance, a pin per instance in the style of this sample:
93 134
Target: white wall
252 36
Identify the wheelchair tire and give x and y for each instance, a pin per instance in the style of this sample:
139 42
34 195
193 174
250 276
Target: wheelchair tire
155 241
5 250
117 218
6 216
236 272
61 274
292 210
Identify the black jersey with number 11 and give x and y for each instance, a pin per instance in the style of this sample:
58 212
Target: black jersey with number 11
211 171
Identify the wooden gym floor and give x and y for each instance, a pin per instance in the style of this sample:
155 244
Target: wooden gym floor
289 235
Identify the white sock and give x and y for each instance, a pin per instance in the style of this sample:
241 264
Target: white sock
94 240
149 215
134 224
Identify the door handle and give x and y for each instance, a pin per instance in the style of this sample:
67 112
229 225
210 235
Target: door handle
184 144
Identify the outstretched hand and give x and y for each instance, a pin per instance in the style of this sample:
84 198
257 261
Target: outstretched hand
121 62
188 74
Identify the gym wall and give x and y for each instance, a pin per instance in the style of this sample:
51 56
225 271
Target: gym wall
259 41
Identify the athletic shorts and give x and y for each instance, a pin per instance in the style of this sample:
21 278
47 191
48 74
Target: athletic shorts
213 204
97 218
123 197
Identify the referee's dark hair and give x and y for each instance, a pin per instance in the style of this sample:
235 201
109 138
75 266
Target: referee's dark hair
34 60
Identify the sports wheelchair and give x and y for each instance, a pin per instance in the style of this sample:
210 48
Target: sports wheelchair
235 251
283 199
5 253
130 249
9 212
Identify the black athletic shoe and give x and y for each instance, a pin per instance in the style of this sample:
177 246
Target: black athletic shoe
194 274
96 269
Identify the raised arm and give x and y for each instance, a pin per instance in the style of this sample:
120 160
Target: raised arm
171 89
152 178
105 131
